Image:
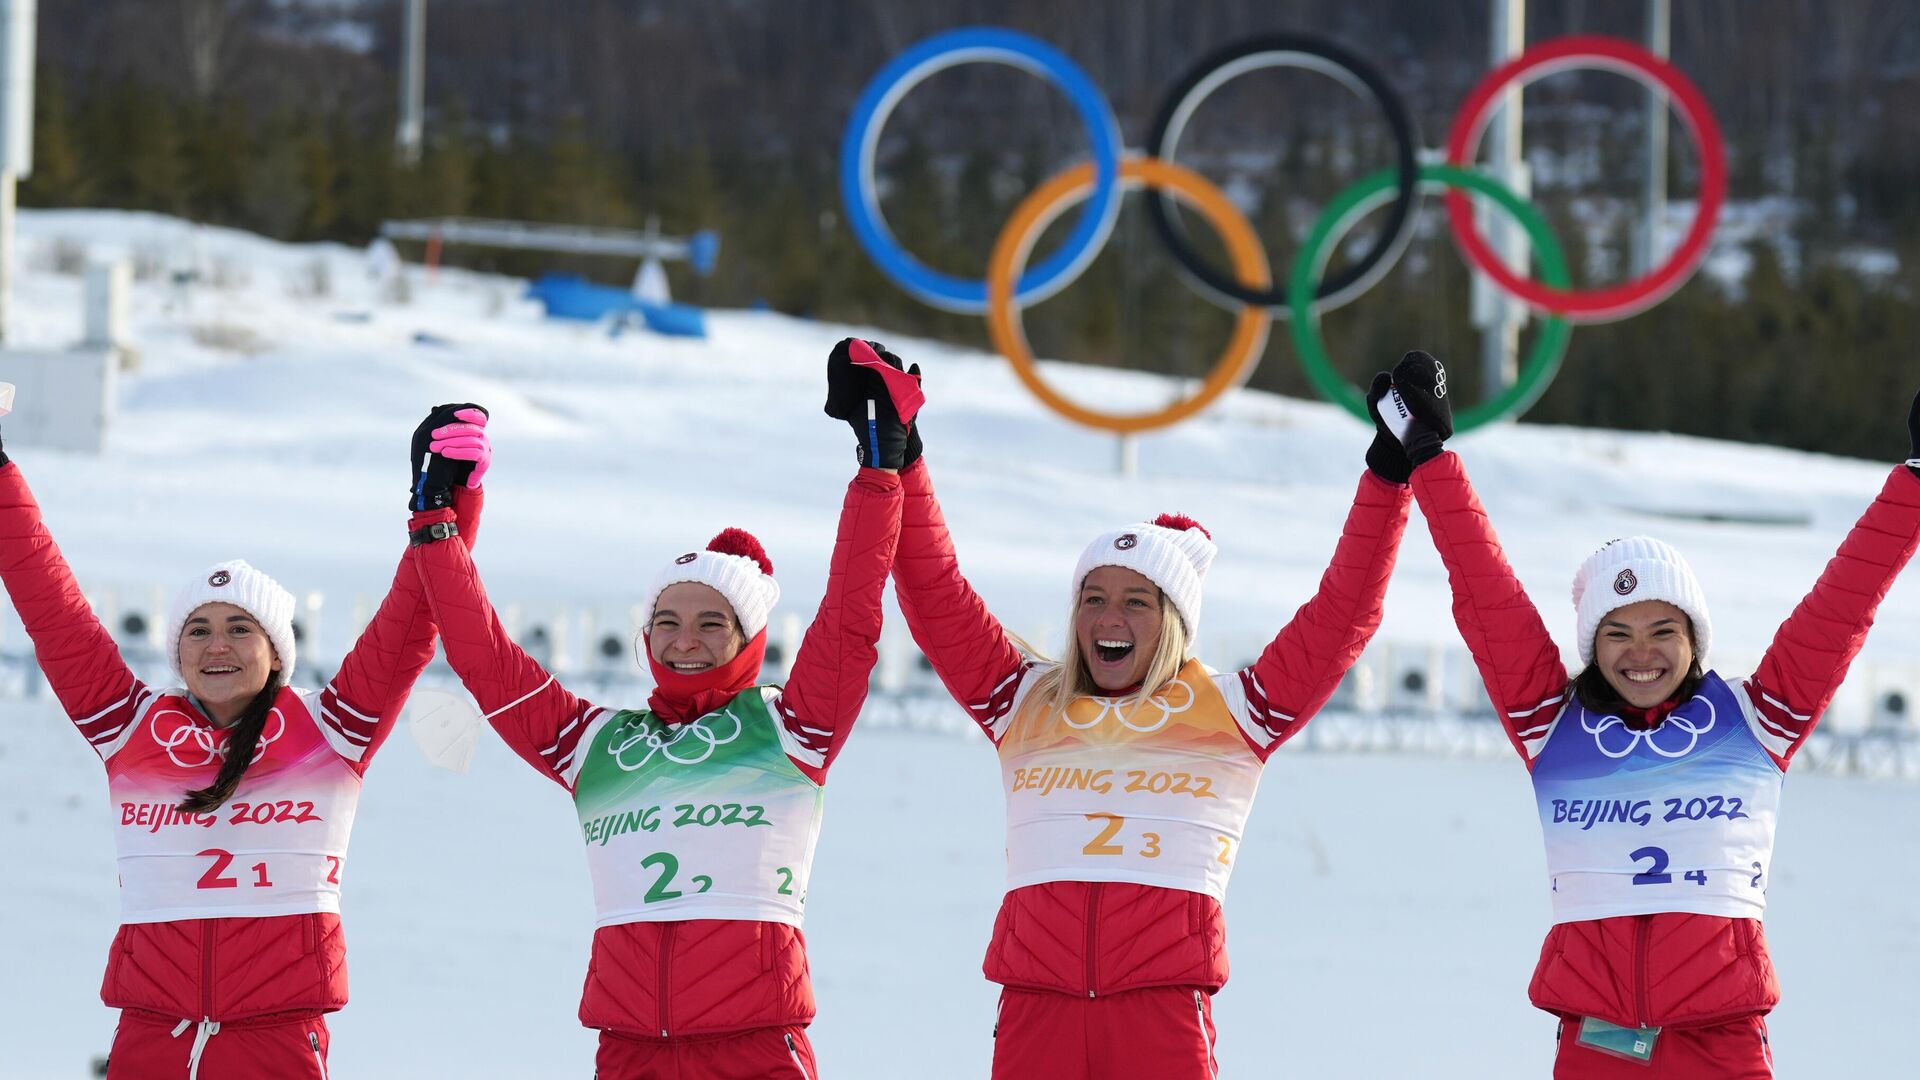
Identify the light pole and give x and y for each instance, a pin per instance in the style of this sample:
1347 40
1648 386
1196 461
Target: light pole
1498 315
17 19
1646 248
413 79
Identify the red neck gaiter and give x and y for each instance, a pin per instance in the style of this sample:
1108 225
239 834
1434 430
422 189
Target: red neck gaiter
1653 716
678 698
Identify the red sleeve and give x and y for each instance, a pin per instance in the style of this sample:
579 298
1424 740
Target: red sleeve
537 717
1522 667
967 646
1304 663
81 662
828 681
1808 659
364 698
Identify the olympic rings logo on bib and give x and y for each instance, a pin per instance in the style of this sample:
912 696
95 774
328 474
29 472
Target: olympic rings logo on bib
1651 736
1114 707
196 739
1249 290
652 740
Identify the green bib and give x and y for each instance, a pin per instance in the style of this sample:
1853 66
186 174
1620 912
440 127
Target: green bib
704 820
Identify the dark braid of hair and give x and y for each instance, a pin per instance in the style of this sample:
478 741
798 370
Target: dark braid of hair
240 747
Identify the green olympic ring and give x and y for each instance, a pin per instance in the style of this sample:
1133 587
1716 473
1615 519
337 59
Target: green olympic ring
1543 360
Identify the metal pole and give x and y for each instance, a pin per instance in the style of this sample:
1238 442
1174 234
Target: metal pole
7 179
1500 316
1646 248
413 92
18 20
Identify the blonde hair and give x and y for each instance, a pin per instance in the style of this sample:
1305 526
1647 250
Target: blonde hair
1069 678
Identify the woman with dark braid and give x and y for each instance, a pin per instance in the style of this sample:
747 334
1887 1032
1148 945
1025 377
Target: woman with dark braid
234 793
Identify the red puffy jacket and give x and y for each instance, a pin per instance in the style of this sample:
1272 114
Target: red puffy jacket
655 980
217 969
1092 938
1671 969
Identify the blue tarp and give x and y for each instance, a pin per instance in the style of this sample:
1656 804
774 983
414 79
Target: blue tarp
570 296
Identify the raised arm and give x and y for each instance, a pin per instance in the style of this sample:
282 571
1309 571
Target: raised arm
81 662
1522 668
969 649
827 684
972 653
359 705
1524 672
1808 659
362 701
539 719
1304 663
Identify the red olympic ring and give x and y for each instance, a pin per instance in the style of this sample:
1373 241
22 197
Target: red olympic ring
1611 54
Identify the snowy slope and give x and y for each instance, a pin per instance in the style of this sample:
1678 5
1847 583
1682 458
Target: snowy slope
1384 919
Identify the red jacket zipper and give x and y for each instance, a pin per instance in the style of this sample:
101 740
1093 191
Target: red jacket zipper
1093 908
1642 936
666 958
206 969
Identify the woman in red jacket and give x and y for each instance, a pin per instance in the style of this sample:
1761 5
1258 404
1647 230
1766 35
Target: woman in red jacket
1129 770
1658 781
700 811
235 792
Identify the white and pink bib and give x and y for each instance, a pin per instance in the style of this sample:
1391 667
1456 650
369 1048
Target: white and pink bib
277 847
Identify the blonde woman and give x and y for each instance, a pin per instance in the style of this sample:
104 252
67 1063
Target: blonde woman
1130 768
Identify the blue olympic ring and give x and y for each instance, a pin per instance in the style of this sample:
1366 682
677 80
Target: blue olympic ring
935 54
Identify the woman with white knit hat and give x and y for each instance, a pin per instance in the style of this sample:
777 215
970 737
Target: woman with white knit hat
700 811
1658 779
1130 768
234 792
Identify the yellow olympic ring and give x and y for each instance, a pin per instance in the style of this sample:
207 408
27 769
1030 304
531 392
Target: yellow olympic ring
1053 198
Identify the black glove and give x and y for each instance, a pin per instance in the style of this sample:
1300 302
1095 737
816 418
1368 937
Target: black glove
1386 457
3 456
1422 384
884 442
434 475
1913 437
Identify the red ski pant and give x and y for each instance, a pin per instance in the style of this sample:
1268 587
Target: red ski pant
148 1046
773 1053
1736 1050
1165 1032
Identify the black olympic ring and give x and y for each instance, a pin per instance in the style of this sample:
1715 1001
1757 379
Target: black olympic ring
1316 54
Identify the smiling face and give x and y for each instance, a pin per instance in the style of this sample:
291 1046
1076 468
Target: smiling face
225 658
693 628
1117 626
1644 651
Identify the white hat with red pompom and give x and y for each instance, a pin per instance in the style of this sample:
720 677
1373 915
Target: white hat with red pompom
734 565
1172 551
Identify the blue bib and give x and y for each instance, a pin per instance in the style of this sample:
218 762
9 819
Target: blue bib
1679 817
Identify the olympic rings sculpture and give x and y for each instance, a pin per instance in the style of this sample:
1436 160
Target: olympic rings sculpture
1246 287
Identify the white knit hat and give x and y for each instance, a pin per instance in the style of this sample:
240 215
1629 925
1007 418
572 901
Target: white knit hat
1631 570
234 582
1171 551
737 567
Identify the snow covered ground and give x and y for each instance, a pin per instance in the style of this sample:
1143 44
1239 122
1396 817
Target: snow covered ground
1383 921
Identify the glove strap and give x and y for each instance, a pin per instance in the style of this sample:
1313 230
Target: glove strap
439 530
1912 462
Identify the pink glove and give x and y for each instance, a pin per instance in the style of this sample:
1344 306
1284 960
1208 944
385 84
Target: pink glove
466 441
